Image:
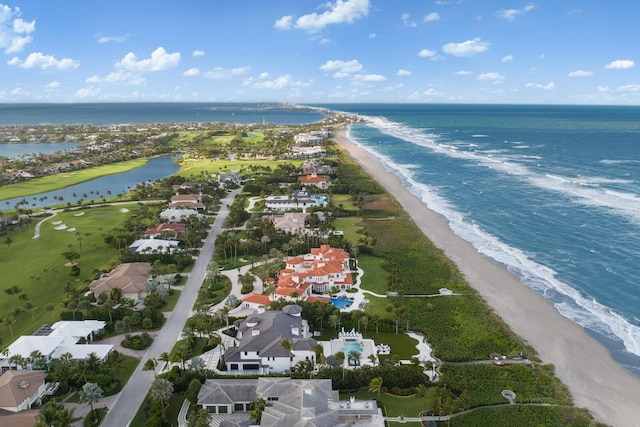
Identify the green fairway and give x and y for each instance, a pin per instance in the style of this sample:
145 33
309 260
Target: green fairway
191 167
37 266
350 227
63 180
374 278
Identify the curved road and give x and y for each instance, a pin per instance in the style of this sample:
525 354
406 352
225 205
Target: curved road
132 395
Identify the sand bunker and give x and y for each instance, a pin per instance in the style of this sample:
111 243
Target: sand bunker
124 210
60 227
71 229
56 222
78 214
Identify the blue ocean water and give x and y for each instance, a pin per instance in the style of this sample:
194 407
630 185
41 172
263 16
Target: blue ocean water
550 192
99 114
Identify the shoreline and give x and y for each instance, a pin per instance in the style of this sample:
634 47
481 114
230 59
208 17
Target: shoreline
596 382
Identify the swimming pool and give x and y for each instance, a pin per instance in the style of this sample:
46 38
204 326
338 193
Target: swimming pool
341 303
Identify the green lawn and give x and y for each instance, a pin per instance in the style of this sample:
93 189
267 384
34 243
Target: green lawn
350 227
394 406
344 201
37 266
66 179
196 167
374 278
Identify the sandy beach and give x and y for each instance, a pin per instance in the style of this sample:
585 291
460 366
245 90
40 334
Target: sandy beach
595 380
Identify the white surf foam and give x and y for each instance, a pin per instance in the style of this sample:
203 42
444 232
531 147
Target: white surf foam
580 309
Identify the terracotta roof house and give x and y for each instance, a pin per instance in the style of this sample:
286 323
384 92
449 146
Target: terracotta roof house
188 201
256 301
319 181
259 336
291 403
318 271
174 230
130 278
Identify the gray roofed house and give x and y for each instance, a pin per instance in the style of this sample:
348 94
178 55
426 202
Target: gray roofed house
259 349
291 403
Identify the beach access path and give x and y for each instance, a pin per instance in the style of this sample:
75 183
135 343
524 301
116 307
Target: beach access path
595 380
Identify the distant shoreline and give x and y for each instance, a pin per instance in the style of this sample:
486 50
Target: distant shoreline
595 380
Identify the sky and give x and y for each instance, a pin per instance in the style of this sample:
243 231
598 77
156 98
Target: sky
315 51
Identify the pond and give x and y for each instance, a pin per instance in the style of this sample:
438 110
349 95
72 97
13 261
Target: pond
107 186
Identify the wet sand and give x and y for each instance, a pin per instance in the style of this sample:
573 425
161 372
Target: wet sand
596 381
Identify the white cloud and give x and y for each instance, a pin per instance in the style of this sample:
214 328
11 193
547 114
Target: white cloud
403 73
466 48
87 92
629 88
507 58
219 73
430 17
494 77
604 89
107 39
263 76
620 64
277 83
369 77
426 53
337 13
463 73
191 72
124 78
580 73
548 86
407 22
14 31
373 36
20 92
53 85
342 68
159 60
510 14
197 53
45 62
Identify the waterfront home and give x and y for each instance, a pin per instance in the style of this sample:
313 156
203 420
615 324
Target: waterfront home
318 271
259 338
322 182
290 402
19 392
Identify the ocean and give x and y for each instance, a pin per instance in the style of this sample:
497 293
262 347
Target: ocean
550 192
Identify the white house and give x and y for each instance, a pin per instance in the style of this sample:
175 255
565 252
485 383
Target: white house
154 246
178 215
259 336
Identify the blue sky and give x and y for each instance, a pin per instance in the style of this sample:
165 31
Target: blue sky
315 51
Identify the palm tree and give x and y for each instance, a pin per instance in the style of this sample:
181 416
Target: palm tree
287 344
373 359
79 371
9 321
50 308
339 357
375 385
334 321
166 358
319 350
150 365
90 393
161 390
354 356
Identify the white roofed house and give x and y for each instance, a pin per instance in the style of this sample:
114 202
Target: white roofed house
259 338
51 342
154 246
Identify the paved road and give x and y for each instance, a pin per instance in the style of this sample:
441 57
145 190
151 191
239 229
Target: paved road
132 396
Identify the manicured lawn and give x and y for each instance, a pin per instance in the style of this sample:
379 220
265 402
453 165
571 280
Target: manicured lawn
195 167
395 406
350 228
171 413
344 201
66 179
171 300
374 278
402 345
42 271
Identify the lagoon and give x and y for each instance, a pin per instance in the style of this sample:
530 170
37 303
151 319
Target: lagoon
13 151
107 186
